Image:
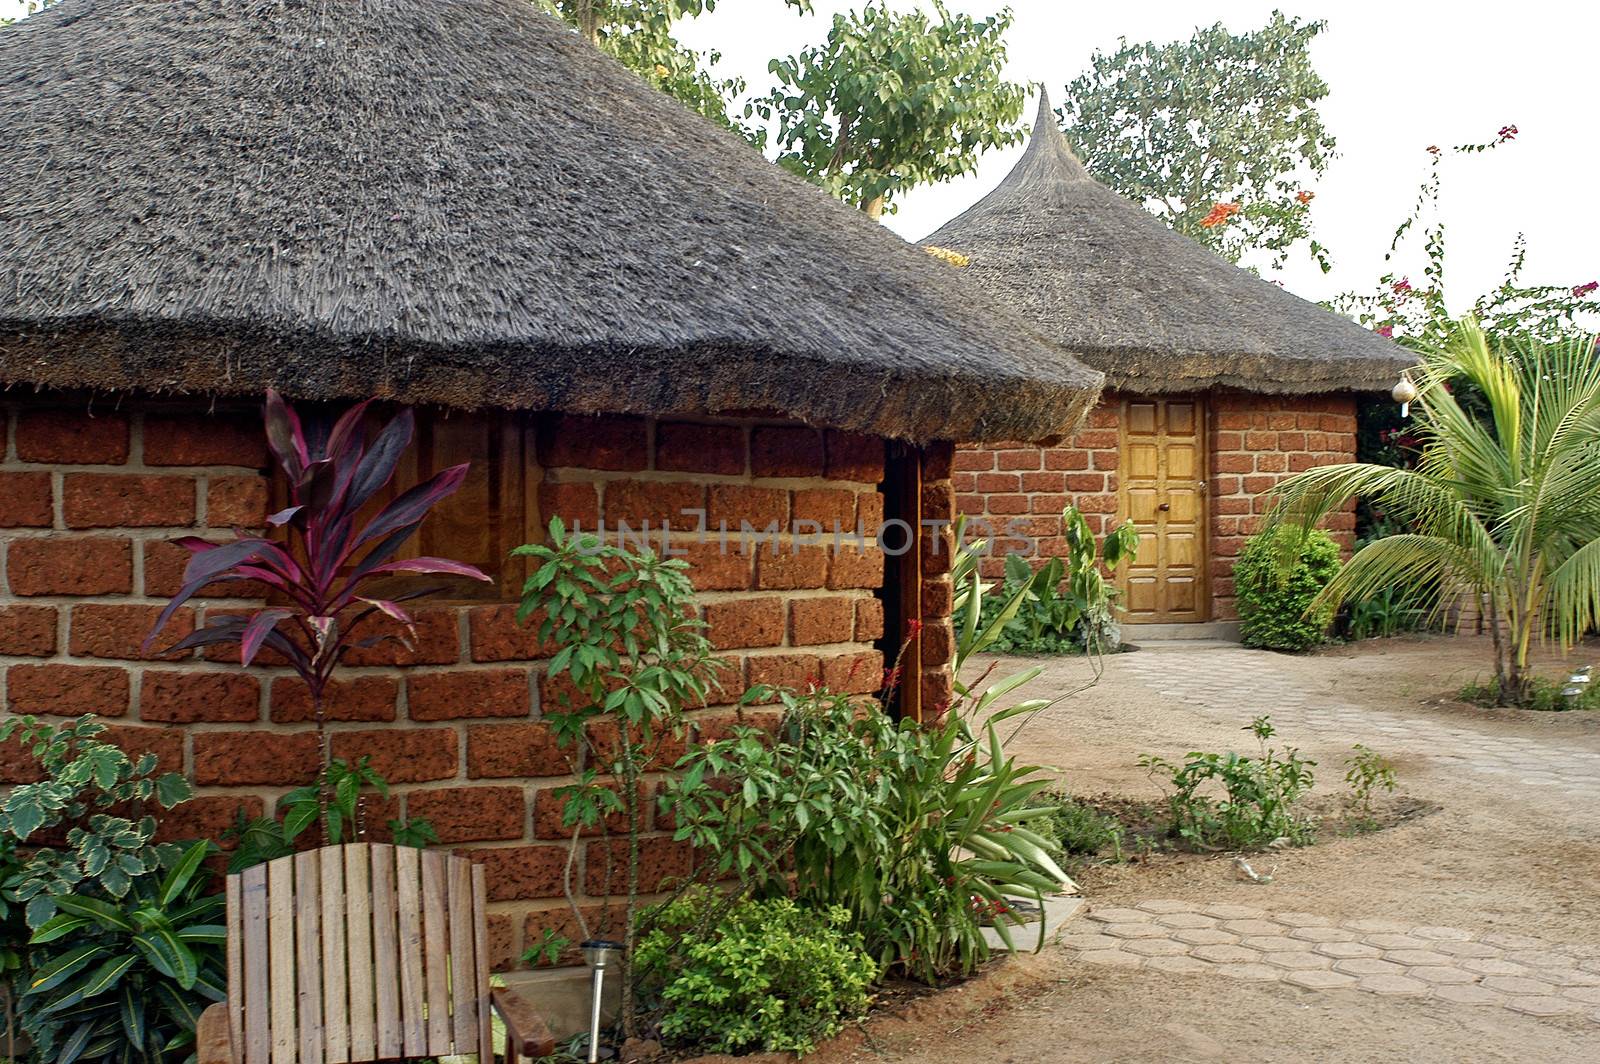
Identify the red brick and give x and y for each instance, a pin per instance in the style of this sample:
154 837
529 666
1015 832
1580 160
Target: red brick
829 509
402 754
163 575
549 807
663 864
604 441
795 672
732 506
1008 504
1299 463
67 690
231 438
185 697
507 751
207 817
938 460
694 448
1056 482
938 643
662 752
1104 417
974 460
1046 502
255 758
789 567
852 456
502 942
991 482
1271 463
470 814
520 873
70 566
786 452
1255 484
1024 460
1278 420
28 631
436 641
1234 420
754 622
71 438
1105 459
821 620
853 674
937 597
578 505
462 693
602 920
869 511
25 500
17 763
652 504
361 698
165 743
118 500
715 566
236 502
494 634
1234 463
105 630
1066 458
869 619
852 568
938 501
938 692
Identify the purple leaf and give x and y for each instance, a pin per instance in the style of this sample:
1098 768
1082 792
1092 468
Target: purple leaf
256 632
413 505
221 557
378 465
437 566
284 516
389 608
285 435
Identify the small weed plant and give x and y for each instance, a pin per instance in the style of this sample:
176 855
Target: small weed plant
1257 803
1366 771
1537 693
1078 828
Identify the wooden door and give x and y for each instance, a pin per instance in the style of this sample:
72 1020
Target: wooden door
1163 479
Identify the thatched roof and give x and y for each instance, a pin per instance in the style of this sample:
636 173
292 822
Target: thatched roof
457 203
1151 308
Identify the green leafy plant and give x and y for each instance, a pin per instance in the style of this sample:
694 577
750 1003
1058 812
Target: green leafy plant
1078 828
765 974
1277 579
125 980
1366 771
1257 805
1501 506
1538 693
1388 612
626 638
262 839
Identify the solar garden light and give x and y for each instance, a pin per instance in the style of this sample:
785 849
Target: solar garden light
597 953
1577 685
1404 392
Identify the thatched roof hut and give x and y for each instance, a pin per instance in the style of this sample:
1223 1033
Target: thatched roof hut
461 204
1151 308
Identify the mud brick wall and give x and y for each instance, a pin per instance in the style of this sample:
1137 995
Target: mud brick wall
91 495
1252 442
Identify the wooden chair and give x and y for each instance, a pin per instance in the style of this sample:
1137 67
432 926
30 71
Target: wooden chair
360 953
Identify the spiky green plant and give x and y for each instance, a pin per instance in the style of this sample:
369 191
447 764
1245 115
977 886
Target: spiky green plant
1505 504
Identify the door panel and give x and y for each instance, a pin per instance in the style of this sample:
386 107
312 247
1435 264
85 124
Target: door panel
1164 493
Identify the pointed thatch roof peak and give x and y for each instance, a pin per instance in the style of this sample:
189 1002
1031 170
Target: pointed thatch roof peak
458 203
1152 309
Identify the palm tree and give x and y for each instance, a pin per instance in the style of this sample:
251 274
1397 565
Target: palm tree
1504 502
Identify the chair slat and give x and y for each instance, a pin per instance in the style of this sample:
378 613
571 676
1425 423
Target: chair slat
308 952
480 944
435 944
385 952
235 962
280 945
257 965
463 959
335 1013
408 894
358 938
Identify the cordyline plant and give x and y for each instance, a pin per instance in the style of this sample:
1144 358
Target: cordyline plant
327 557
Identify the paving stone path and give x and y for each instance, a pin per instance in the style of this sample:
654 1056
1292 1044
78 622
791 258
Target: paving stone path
1387 957
1233 684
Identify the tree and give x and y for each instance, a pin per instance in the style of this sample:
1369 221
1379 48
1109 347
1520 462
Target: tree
1505 505
1216 135
891 101
28 8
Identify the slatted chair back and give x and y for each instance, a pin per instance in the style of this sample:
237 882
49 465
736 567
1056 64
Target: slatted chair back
358 953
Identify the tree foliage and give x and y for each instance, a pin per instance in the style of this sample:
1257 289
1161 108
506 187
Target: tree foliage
1216 135
890 101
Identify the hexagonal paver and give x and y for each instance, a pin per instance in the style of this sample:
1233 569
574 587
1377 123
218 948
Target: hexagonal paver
1468 994
1135 931
1369 927
1324 934
1392 984
1412 957
1254 927
1567 976
1186 920
1505 940
1442 934
1272 943
1179 965
1120 916
1466 949
1364 966
1347 950
1544 1006
1393 941
1234 912
1495 966
1540 958
1157 947
1112 957
1512 984
1441 975
1205 936
1167 905
1301 960
1260 972
1316 979
1225 954
1589 995
1087 940
1302 919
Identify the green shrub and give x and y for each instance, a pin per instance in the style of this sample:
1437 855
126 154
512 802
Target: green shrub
1077 828
1538 694
1276 584
753 975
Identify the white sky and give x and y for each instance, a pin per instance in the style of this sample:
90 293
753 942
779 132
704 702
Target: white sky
1403 73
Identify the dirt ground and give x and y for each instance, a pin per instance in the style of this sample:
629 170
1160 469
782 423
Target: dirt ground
1496 855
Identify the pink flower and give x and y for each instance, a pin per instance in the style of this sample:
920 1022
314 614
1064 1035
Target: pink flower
1584 289
1507 133
1385 330
1402 286
1433 149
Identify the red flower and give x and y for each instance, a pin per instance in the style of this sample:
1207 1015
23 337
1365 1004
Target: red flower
1433 149
1507 132
1584 289
1304 197
1219 215
913 628
1402 286
1385 330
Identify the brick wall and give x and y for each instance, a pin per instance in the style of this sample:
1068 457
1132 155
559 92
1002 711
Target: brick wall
1253 441
89 500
